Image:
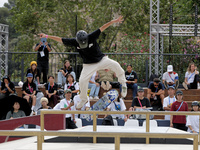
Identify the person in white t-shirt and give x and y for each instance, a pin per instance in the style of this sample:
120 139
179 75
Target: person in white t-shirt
167 103
193 120
170 78
94 86
67 104
117 105
86 106
191 77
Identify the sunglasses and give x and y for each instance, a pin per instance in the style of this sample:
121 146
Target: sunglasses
156 85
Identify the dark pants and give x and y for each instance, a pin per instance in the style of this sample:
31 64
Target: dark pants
180 126
194 84
43 66
156 104
70 124
53 99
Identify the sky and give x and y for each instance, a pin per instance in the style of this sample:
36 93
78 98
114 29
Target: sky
2 2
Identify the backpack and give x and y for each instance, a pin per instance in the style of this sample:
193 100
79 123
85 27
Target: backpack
108 120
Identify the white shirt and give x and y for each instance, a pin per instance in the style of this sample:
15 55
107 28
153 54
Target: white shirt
122 107
64 104
76 101
57 107
166 76
93 77
193 120
190 76
76 86
168 101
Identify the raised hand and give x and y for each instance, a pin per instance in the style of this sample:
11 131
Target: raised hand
42 35
120 20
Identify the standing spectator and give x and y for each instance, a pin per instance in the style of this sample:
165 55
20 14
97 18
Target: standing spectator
44 101
63 72
15 112
36 73
191 77
178 121
67 104
29 91
106 77
51 89
7 87
43 58
131 77
193 120
94 86
71 84
155 93
170 78
169 100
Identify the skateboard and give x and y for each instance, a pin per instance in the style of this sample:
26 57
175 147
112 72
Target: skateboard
102 103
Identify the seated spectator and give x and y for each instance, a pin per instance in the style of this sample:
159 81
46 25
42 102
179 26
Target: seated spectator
131 77
106 77
94 86
68 104
85 106
71 84
51 89
193 120
15 112
169 100
29 91
170 78
63 72
7 87
44 101
36 73
177 121
191 77
155 93
117 105
139 102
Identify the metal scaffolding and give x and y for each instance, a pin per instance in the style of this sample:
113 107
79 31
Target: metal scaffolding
3 50
157 33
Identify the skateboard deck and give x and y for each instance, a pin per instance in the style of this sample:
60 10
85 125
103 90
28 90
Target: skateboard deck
103 103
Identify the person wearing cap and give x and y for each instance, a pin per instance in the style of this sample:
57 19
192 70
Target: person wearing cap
193 120
167 103
140 101
68 104
178 121
36 73
155 93
170 78
191 77
93 58
44 101
43 50
29 91
7 87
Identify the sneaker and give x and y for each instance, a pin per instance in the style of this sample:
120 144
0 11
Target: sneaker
165 84
176 85
96 98
198 86
91 98
81 104
103 85
185 86
108 86
32 113
124 90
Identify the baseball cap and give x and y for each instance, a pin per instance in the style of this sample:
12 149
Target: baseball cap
29 75
68 90
171 87
179 93
169 68
140 90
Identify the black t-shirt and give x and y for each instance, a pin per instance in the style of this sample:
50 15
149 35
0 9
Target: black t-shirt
68 70
144 102
29 88
11 86
153 89
92 53
36 73
46 53
51 88
131 76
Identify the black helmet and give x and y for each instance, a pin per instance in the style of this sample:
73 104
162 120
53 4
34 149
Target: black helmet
195 103
179 93
82 38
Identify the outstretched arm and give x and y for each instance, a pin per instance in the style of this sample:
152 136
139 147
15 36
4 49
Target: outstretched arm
105 26
55 38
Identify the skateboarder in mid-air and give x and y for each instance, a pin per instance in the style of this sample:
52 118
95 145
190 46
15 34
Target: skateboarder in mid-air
93 58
